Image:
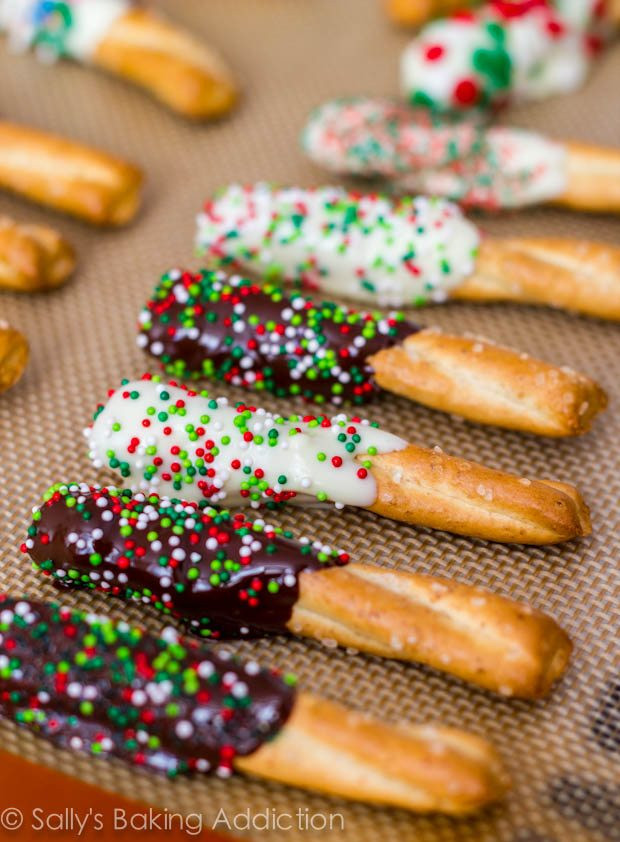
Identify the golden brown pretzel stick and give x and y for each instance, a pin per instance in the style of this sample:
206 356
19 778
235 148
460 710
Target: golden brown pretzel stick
68 176
593 179
416 12
572 274
33 258
329 748
613 11
14 355
430 488
491 641
171 64
487 383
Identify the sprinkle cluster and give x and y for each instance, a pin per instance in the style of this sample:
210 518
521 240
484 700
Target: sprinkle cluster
182 443
381 137
59 28
231 329
417 152
41 24
221 574
92 685
358 246
508 50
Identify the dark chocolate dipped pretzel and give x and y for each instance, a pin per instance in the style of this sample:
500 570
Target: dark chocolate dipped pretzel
225 576
86 683
167 704
263 339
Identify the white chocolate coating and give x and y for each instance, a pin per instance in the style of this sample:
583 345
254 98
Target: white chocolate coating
213 452
519 168
74 29
462 161
366 248
490 57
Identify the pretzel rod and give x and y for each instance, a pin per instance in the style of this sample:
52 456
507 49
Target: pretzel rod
416 12
33 258
430 488
14 353
255 580
408 252
171 64
134 43
489 384
168 439
464 161
490 641
575 275
68 176
164 703
328 748
593 179
206 324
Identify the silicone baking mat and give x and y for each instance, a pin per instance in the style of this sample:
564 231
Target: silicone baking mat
562 753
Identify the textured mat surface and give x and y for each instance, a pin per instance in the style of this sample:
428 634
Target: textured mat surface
563 754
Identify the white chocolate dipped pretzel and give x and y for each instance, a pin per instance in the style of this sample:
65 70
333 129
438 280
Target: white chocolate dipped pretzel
174 441
137 44
361 247
464 161
504 52
403 253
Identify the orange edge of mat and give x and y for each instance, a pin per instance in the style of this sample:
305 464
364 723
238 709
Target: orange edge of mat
41 802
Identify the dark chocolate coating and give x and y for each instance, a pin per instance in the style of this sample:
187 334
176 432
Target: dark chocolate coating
90 684
222 575
231 329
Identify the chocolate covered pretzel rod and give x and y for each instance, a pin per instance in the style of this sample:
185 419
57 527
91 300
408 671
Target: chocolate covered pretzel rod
400 253
465 161
231 329
68 176
169 705
506 51
135 43
224 576
169 439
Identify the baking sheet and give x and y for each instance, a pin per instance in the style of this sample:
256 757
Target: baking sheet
562 753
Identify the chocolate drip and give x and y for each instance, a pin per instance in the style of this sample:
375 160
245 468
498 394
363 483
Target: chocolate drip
89 684
222 575
231 329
